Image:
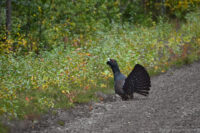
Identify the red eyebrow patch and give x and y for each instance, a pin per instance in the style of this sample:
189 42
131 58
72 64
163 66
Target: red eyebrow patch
111 60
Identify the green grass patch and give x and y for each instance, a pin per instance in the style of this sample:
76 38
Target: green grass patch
62 77
61 123
3 129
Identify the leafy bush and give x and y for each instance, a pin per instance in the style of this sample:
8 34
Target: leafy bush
63 77
42 25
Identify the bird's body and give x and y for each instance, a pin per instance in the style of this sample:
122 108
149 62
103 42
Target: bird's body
138 81
119 80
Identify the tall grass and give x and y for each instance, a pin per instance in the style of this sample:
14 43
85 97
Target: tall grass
31 84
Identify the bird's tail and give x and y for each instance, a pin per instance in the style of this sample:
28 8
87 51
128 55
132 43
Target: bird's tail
138 81
142 80
144 93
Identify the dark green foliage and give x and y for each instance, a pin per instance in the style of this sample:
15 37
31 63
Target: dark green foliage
54 56
41 25
44 24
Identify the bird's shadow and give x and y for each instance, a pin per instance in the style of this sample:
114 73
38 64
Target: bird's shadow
114 98
139 99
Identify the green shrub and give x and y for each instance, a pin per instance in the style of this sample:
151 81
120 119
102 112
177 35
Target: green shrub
63 77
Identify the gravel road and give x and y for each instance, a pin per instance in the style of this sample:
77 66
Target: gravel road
173 106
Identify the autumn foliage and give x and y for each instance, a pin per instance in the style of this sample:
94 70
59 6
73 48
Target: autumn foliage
53 59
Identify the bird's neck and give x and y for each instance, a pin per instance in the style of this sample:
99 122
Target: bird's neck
116 70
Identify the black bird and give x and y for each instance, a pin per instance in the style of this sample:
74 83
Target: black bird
138 81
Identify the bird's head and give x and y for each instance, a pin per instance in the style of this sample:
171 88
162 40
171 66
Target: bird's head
112 63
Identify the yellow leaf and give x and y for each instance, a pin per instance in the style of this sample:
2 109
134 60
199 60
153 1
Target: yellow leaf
63 91
103 86
163 71
156 67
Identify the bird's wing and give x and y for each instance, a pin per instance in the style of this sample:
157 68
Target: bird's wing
118 87
138 81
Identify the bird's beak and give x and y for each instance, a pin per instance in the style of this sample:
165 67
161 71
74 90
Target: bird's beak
108 61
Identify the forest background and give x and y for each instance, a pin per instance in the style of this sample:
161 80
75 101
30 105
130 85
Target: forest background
53 52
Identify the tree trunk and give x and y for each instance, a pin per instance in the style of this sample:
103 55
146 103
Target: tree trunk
163 7
28 22
0 14
8 16
144 3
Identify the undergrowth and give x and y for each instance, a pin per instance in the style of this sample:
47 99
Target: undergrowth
60 78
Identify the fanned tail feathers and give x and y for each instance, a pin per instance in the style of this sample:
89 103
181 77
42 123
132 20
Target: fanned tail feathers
138 81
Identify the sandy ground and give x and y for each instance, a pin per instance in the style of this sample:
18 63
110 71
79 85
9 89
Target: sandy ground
173 106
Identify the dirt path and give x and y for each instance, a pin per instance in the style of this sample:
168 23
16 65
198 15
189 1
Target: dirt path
173 106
